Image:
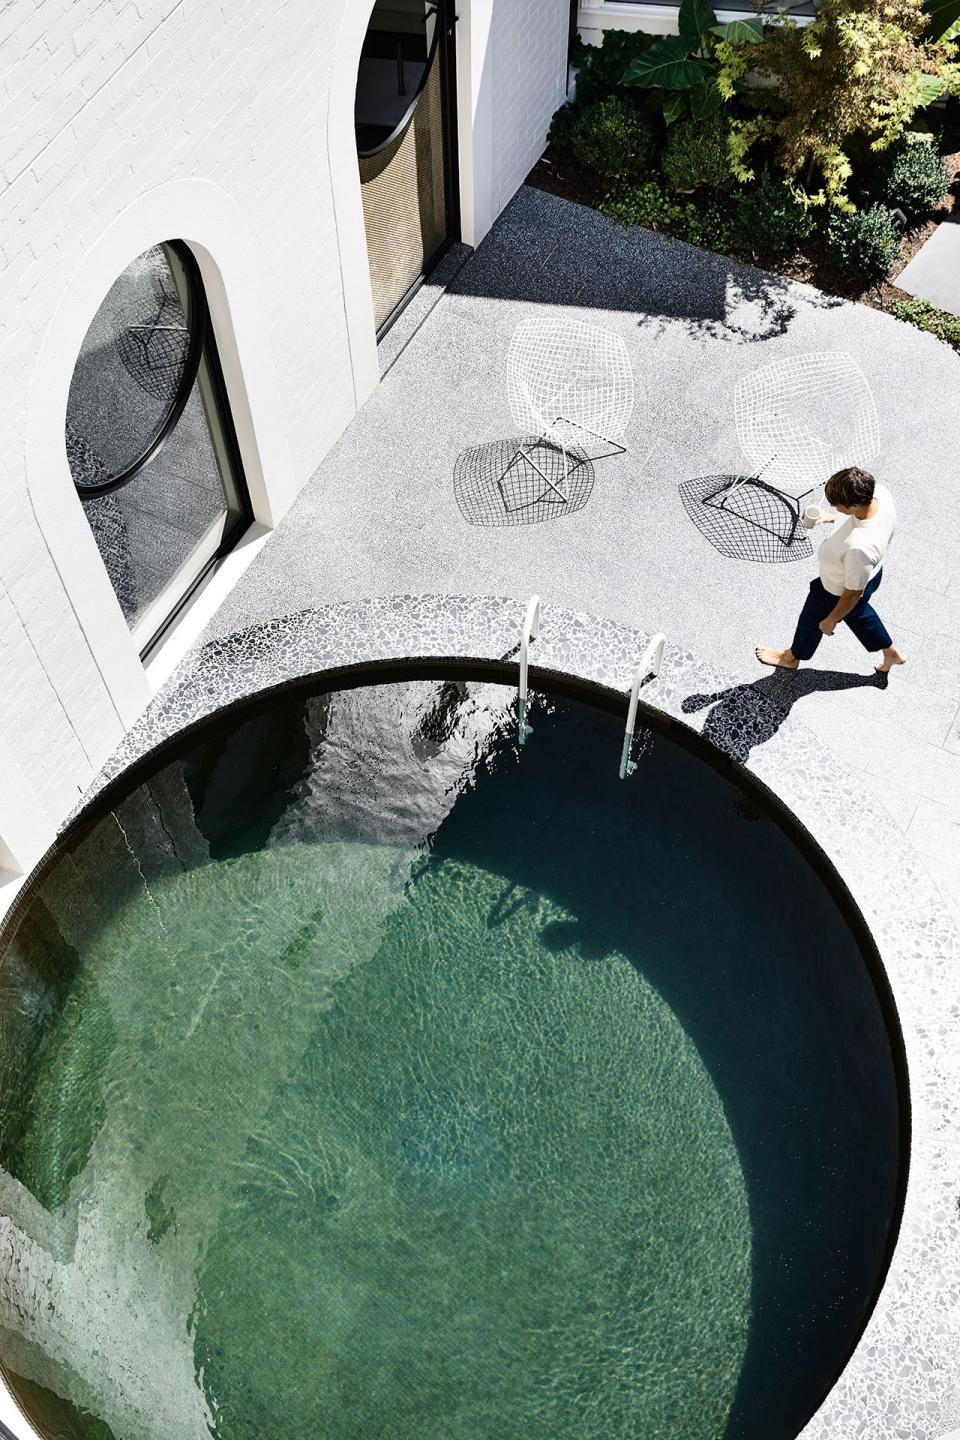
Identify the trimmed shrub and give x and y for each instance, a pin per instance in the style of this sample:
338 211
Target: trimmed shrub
708 229
600 68
916 180
771 220
696 153
612 138
649 205
863 244
560 134
646 205
927 317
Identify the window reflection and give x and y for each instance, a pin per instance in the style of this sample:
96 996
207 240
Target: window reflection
149 443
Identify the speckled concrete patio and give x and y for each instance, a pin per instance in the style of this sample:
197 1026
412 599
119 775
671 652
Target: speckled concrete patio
380 516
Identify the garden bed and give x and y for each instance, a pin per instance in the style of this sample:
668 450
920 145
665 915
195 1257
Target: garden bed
561 175
815 153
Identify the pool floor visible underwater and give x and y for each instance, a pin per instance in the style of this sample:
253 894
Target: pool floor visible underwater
366 1077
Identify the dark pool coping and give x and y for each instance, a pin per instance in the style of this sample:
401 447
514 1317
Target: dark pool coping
900 1380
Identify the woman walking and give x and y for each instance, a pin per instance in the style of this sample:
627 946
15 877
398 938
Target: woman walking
851 567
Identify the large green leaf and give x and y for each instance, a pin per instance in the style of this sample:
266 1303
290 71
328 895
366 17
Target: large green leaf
740 32
705 99
944 18
696 17
674 106
668 63
932 86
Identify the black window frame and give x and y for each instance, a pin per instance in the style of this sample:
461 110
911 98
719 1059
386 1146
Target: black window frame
198 326
202 346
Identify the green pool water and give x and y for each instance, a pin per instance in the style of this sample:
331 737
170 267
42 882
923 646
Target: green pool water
366 1078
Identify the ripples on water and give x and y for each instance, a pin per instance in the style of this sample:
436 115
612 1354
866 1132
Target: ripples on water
362 1077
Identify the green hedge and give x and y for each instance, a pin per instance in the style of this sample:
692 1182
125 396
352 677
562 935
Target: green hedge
771 220
916 179
696 154
612 138
927 317
864 243
649 205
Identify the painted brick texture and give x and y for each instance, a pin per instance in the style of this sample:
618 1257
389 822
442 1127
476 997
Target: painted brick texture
101 101
530 39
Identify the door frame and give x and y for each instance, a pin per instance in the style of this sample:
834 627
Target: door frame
447 19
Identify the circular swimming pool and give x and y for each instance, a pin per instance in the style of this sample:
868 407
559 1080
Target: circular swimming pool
363 1075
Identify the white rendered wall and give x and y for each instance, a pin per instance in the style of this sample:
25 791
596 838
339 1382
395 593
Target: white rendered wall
529 62
125 122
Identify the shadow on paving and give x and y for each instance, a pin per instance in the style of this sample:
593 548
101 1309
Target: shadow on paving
496 485
552 251
751 714
742 520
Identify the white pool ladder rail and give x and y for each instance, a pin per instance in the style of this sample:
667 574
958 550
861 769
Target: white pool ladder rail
531 629
649 665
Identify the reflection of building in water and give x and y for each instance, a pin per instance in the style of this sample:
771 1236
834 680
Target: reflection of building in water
105 1243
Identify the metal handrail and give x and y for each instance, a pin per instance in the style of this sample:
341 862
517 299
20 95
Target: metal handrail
649 665
531 629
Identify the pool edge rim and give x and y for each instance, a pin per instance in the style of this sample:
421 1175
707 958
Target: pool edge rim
543 678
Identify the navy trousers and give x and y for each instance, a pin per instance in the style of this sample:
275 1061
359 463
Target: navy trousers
863 620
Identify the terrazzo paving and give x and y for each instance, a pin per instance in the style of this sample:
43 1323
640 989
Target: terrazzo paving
382 508
872 768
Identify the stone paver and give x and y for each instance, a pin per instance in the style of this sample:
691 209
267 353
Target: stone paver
380 518
934 272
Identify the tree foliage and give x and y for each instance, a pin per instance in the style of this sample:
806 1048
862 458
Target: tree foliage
683 69
858 72
612 138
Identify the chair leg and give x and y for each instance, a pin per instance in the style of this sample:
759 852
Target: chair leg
737 482
552 483
615 447
522 450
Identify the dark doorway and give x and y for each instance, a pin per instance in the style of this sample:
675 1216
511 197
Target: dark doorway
405 118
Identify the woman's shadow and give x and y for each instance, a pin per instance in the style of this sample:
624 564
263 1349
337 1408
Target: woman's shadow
750 714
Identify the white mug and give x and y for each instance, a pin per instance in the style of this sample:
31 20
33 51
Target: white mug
812 516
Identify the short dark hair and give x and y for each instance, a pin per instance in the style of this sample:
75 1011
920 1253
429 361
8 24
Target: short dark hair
850 487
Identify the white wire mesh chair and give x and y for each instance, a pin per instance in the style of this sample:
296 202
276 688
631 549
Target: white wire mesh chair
799 420
568 382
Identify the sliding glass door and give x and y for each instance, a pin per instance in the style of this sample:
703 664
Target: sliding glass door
405 129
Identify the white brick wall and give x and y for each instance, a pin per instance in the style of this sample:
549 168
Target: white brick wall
102 101
529 63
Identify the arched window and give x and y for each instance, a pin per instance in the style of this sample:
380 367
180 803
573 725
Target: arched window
150 441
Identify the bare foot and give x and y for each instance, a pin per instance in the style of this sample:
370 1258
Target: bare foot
785 659
891 657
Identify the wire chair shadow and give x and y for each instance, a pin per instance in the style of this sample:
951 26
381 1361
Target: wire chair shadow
498 485
745 521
